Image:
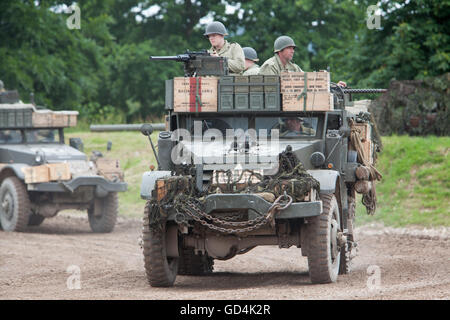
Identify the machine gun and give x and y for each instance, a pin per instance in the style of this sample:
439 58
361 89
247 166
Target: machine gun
343 96
199 63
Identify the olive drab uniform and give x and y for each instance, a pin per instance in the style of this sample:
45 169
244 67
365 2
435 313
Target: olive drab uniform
273 66
235 55
252 71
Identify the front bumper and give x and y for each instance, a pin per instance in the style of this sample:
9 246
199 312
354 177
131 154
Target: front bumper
72 185
257 206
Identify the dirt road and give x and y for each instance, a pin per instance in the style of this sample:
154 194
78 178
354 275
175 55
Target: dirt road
46 261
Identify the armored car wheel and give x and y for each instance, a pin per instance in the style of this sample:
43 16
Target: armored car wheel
161 270
324 253
14 205
103 213
192 264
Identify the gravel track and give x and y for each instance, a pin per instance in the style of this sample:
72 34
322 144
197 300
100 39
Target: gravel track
412 264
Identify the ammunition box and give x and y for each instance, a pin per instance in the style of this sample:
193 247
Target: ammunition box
256 100
272 101
272 79
226 80
256 79
240 88
15 117
241 101
226 101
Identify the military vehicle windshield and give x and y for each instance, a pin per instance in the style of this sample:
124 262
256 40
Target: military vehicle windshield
42 135
10 136
221 124
288 126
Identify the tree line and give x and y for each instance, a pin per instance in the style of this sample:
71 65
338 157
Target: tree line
103 71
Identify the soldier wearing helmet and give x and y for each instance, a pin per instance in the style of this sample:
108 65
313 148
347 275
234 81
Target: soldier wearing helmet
216 32
284 48
251 68
295 127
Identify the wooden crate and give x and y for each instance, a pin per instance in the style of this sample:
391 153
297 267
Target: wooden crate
186 90
36 174
59 171
42 118
294 82
109 168
315 101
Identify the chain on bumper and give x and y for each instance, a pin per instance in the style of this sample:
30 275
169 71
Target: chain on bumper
193 210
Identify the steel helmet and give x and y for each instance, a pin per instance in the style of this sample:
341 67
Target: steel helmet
250 54
216 27
283 42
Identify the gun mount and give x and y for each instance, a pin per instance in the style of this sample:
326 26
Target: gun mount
198 63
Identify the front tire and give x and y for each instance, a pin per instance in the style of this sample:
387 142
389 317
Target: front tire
14 205
324 253
161 270
103 213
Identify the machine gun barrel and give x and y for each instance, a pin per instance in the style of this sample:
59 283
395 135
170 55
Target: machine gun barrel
180 57
364 90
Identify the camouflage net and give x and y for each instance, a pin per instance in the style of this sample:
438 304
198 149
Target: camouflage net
415 107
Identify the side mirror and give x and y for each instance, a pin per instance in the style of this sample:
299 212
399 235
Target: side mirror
146 129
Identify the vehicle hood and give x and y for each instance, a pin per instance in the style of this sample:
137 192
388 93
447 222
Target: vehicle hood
25 153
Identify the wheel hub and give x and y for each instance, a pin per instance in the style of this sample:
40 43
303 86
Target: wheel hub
334 239
7 206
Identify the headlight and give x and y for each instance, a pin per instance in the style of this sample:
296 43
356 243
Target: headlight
317 159
39 157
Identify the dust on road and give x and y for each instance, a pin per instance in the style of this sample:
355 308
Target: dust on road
44 262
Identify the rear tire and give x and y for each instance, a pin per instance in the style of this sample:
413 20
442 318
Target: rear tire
161 270
324 254
14 205
103 213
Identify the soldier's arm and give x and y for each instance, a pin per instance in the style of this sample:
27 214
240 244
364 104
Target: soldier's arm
236 63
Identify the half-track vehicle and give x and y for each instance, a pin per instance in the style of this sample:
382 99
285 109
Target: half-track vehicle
257 160
40 175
